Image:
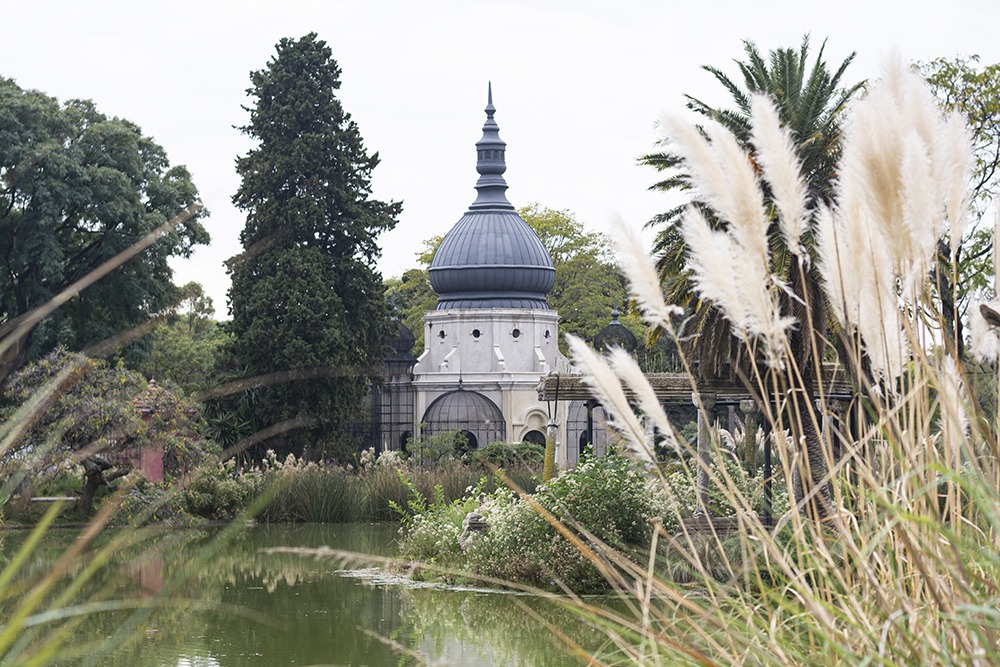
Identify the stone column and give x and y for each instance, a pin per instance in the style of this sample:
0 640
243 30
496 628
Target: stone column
705 402
751 413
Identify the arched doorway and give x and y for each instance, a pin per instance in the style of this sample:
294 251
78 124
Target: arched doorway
477 417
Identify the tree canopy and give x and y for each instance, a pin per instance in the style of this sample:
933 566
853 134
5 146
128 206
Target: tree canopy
962 85
75 410
184 348
306 298
76 188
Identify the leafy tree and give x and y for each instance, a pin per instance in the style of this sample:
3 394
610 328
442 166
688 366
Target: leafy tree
90 416
306 299
587 280
963 86
76 188
412 296
810 103
185 349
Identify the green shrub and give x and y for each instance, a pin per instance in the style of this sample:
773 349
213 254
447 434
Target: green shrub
219 491
436 448
148 503
432 524
506 454
605 499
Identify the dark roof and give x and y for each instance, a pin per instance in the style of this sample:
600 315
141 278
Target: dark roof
400 342
615 334
491 258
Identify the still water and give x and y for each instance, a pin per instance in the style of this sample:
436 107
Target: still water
204 601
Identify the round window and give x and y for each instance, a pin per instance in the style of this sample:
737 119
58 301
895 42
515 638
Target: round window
516 333
441 334
476 333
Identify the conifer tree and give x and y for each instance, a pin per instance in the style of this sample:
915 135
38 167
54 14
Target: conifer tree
306 299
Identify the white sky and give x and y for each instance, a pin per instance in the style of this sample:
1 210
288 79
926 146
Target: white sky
578 84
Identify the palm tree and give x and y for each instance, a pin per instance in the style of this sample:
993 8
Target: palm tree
810 102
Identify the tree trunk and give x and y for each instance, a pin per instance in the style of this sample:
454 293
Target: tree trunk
93 479
805 346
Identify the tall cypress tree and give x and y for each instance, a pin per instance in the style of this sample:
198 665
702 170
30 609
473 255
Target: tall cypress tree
306 298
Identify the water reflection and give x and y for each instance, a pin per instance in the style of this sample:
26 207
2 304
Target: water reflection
243 606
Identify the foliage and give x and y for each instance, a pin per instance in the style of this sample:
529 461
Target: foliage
961 85
183 357
504 454
809 103
306 300
604 500
76 188
413 296
93 405
432 525
909 545
185 349
93 411
438 447
587 280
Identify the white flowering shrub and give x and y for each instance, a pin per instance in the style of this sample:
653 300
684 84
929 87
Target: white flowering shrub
604 501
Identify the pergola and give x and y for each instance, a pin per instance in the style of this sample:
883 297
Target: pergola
680 389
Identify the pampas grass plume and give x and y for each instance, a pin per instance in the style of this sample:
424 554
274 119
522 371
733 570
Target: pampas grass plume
782 169
626 368
985 338
608 390
641 274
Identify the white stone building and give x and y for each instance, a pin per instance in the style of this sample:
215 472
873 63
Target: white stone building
492 336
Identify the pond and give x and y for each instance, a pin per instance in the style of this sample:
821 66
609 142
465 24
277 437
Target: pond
237 604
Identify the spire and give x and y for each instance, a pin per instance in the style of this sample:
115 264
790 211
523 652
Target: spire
490 163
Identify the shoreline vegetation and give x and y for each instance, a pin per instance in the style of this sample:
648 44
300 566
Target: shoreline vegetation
885 548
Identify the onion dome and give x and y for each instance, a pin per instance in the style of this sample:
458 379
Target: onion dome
491 258
615 334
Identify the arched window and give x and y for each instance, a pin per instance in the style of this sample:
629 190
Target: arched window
576 430
536 437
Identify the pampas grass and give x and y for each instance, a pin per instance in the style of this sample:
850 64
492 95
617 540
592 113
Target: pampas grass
645 283
906 568
782 170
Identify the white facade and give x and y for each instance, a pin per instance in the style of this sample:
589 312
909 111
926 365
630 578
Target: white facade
498 353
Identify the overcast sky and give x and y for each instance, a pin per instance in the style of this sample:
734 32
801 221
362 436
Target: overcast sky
578 85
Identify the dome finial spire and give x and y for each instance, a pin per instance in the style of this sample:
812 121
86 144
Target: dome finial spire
490 163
